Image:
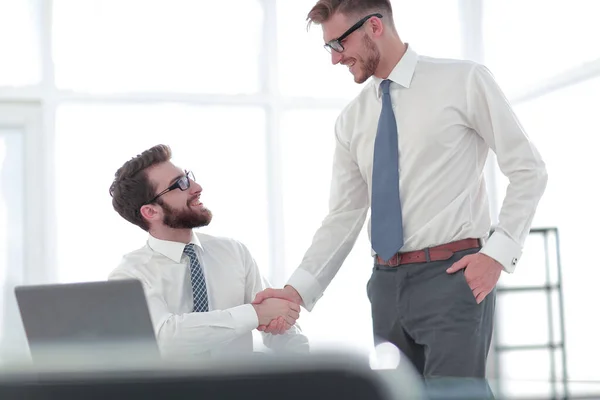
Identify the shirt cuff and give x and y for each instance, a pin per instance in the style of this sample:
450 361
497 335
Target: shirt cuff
307 286
503 249
244 317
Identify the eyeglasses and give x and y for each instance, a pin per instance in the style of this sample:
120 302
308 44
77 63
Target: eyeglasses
182 183
336 44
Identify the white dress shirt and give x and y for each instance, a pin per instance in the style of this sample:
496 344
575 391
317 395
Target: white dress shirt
449 113
232 280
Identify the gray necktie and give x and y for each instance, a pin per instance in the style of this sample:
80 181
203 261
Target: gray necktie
386 212
198 282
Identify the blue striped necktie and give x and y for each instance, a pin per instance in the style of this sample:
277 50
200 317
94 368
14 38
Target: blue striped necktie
198 282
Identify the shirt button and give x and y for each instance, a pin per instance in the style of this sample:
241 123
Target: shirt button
514 261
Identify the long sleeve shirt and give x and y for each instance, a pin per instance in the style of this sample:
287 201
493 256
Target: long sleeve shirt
232 280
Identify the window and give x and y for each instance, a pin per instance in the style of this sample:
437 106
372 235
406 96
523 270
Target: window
22 241
304 65
157 46
19 43
12 221
544 39
307 154
11 200
527 380
564 127
224 147
528 316
431 27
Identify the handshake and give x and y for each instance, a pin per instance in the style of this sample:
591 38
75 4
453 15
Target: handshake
277 309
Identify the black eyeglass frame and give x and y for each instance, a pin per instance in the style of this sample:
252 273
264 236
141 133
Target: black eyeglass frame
336 44
183 183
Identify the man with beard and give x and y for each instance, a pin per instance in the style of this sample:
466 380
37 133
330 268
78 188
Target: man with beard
198 287
411 148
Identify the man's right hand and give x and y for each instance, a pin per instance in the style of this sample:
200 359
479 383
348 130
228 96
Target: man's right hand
272 308
278 326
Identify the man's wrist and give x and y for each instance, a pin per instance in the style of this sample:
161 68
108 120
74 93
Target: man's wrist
495 262
296 298
258 313
503 249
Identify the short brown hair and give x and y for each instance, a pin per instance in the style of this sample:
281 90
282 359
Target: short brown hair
131 188
325 9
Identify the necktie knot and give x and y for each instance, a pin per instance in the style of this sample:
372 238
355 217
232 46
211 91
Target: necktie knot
189 250
385 86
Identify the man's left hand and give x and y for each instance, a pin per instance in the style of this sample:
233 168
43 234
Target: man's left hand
481 272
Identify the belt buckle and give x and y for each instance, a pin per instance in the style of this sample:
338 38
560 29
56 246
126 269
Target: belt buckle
395 260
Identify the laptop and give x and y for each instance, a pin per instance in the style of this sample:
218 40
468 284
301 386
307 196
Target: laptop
89 322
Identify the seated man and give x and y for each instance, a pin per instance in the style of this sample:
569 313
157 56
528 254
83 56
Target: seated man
199 287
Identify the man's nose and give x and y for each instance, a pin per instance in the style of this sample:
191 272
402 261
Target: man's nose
196 186
335 57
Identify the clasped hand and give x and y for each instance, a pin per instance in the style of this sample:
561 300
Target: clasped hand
286 309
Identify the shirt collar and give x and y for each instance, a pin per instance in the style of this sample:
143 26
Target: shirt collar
172 250
403 72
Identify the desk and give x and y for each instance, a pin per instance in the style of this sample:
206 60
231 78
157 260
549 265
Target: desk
467 389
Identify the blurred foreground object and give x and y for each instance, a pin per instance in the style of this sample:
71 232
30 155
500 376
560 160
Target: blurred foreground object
324 376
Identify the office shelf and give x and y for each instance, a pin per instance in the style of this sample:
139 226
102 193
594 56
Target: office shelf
552 286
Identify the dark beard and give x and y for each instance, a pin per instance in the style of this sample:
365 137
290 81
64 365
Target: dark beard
185 219
371 62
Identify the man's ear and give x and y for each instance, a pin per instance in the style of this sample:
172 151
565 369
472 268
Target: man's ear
149 212
376 27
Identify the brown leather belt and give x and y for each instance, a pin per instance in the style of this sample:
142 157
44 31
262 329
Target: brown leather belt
436 253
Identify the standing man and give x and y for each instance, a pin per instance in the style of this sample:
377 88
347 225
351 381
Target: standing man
412 148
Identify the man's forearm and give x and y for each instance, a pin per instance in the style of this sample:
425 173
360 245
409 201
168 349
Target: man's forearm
197 333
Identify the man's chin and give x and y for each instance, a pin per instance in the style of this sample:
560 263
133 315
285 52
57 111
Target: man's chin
199 210
200 222
361 77
206 220
205 216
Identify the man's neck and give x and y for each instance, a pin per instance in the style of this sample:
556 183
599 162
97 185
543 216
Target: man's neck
391 56
172 235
